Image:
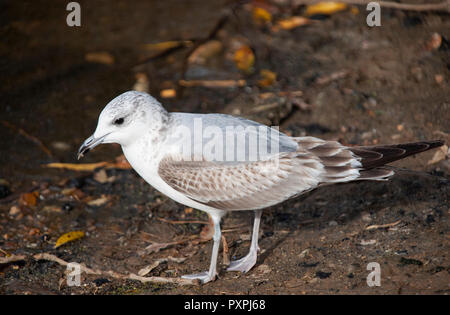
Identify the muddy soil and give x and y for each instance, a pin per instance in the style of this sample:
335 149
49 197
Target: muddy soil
359 85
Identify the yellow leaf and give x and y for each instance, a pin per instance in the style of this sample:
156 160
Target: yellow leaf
293 22
354 10
244 59
168 93
327 7
268 78
69 237
261 16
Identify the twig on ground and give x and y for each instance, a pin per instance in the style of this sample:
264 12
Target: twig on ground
11 259
213 83
28 136
164 280
50 257
383 226
182 222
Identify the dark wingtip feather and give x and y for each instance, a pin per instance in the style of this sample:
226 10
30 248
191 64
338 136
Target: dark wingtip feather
375 156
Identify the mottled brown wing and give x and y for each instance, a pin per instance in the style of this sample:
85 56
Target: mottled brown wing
245 185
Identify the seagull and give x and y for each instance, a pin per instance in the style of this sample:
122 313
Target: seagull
219 163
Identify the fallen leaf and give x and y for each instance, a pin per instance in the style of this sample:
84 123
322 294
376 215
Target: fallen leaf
205 52
244 59
144 271
102 57
29 199
292 22
103 178
261 16
98 202
268 78
326 7
168 93
440 154
69 237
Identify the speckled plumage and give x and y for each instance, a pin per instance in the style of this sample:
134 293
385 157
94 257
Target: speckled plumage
163 148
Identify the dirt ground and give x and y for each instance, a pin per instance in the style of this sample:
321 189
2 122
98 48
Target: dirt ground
336 78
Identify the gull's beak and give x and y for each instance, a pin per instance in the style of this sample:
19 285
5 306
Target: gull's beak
89 144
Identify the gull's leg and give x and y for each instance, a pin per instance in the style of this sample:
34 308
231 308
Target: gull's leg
212 273
246 263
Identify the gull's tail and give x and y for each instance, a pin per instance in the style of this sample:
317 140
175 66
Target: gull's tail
344 164
375 156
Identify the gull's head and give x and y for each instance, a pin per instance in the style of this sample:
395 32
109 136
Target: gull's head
124 119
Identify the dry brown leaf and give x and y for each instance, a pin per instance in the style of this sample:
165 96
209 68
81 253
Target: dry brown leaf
146 270
244 59
103 178
102 57
99 202
440 154
29 199
326 7
205 52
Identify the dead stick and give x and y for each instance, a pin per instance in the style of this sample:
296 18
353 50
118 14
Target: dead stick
12 258
28 136
181 281
50 257
182 222
382 226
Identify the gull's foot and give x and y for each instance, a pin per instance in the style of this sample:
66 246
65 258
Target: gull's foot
204 277
244 264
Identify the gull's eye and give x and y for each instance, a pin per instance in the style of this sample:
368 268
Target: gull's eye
118 121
